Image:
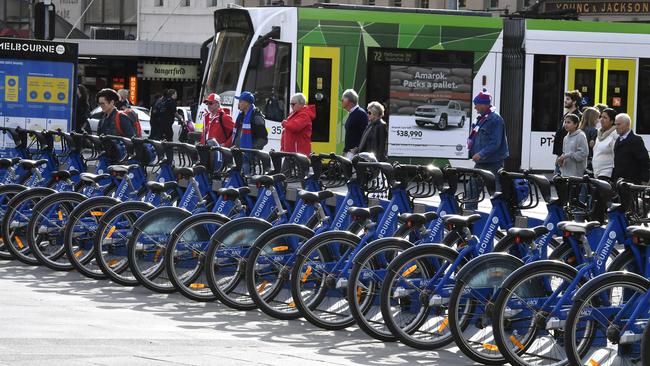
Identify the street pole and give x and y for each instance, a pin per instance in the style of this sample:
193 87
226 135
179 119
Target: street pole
46 22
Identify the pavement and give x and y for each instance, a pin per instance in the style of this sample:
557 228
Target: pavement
63 318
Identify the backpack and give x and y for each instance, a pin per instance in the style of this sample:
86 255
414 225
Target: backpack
133 117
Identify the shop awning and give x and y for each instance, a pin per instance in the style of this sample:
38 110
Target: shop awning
122 48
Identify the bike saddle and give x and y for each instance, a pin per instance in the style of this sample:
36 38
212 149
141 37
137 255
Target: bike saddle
156 187
92 178
577 227
6 163
641 232
525 233
267 180
189 172
364 213
122 168
63 174
460 220
233 193
31 164
417 219
313 197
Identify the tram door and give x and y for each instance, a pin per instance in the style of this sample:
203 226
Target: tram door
602 80
320 86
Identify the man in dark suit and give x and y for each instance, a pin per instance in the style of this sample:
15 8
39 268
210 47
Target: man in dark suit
631 161
356 122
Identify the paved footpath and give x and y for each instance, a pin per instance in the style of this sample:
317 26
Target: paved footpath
62 318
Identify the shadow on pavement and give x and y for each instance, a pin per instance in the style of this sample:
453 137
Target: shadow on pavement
351 343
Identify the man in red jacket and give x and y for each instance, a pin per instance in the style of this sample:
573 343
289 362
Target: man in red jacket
218 124
296 129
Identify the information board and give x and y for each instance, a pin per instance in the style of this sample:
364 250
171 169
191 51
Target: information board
37 85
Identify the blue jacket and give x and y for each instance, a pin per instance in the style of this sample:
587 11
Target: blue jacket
491 142
354 127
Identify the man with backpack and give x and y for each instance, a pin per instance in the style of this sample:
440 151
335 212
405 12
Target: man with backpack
217 125
114 122
162 116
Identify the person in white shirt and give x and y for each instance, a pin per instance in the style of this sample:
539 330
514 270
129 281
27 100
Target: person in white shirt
603 159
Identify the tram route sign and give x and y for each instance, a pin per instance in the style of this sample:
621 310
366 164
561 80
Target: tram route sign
601 7
37 85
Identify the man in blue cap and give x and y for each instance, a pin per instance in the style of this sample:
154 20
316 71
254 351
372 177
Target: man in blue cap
250 127
487 142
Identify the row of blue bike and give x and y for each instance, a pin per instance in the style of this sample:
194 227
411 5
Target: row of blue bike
337 242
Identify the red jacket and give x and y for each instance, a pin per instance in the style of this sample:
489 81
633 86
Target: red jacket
215 129
296 130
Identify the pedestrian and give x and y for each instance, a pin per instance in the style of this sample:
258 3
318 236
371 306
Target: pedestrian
487 142
375 135
107 99
575 149
217 124
163 113
590 116
296 128
631 161
82 113
250 127
154 117
571 102
603 159
124 100
601 107
355 124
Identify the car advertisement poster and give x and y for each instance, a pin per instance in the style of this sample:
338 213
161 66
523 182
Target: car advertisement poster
430 111
37 85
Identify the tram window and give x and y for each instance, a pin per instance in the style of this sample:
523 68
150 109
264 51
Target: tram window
548 92
268 79
643 98
226 61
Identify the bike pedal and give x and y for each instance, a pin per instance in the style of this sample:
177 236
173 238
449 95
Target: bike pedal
629 337
342 283
437 300
402 292
555 323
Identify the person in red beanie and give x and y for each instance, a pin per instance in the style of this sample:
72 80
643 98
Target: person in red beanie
218 125
296 129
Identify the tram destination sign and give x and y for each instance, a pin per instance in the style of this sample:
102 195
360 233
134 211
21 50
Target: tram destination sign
601 7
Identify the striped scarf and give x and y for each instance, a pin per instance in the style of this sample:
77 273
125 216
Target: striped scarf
246 140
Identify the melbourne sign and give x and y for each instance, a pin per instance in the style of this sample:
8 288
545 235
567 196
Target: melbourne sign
601 7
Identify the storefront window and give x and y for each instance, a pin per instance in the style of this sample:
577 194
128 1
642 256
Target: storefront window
129 11
268 78
548 92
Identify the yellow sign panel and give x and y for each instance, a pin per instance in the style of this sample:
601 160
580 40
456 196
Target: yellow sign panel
11 88
47 90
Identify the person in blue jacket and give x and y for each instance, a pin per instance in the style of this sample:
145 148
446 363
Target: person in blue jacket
356 122
487 142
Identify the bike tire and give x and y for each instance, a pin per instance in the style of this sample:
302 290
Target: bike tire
6 193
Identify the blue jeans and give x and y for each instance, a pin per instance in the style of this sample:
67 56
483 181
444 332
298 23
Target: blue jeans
474 187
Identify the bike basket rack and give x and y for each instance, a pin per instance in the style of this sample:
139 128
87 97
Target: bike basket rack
294 166
475 182
333 170
374 178
635 199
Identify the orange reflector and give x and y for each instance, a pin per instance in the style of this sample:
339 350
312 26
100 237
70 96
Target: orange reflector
516 342
359 293
79 253
197 285
444 325
571 260
292 305
262 286
410 270
96 213
110 232
281 248
60 215
490 347
113 262
156 256
306 274
593 362
20 243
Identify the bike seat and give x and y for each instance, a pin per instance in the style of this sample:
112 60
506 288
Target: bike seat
311 198
233 193
184 172
364 213
525 233
418 219
6 163
31 164
577 227
640 232
198 170
157 187
63 174
460 220
267 180
92 178
122 168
